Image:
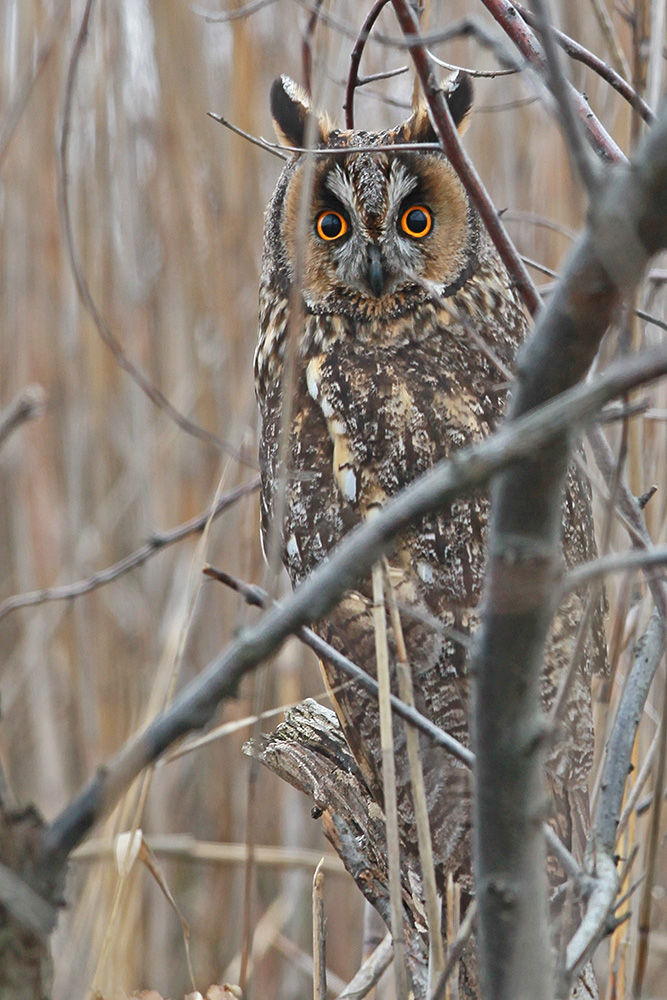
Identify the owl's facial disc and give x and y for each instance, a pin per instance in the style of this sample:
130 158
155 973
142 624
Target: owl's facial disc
384 230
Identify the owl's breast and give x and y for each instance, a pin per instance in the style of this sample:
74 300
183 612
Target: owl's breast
398 409
367 420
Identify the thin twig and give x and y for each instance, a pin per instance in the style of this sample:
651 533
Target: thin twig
516 215
355 59
559 86
629 508
613 44
270 147
459 159
155 544
482 74
83 289
218 17
307 48
259 598
627 895
648 653
387 74
581 54
274 147
616 562
518 30
649 318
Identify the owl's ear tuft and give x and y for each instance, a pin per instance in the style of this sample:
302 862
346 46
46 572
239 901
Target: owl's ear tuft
292 111
458 92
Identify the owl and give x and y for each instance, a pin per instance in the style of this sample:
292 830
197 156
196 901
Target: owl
387 327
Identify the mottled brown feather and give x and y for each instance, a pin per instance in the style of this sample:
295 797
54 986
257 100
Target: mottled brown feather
386 385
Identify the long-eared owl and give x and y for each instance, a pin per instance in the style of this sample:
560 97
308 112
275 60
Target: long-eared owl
382 289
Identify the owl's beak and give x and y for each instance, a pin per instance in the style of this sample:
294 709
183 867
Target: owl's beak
375 272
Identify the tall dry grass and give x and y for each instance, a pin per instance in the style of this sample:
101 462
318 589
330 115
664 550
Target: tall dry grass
167 214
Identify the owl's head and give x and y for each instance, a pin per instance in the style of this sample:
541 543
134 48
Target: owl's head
384 229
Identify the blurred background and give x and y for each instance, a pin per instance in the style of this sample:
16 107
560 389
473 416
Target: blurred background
166 210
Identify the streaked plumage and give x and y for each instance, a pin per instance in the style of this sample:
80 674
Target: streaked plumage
401 347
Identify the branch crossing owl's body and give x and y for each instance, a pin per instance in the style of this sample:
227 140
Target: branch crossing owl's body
399 343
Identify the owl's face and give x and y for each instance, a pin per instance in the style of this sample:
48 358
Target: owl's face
382 230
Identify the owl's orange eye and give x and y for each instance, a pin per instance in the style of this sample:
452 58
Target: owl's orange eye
331 225
417 221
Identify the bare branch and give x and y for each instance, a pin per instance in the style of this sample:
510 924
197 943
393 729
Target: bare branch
459 159
275 148
505 13
617 562
648 654
640 781
596 922
629 508
613 43
471 468
26 906
355 59
522 568
307 47
595 925
245 10
259 598
559 86
581 54
270 147
482 74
